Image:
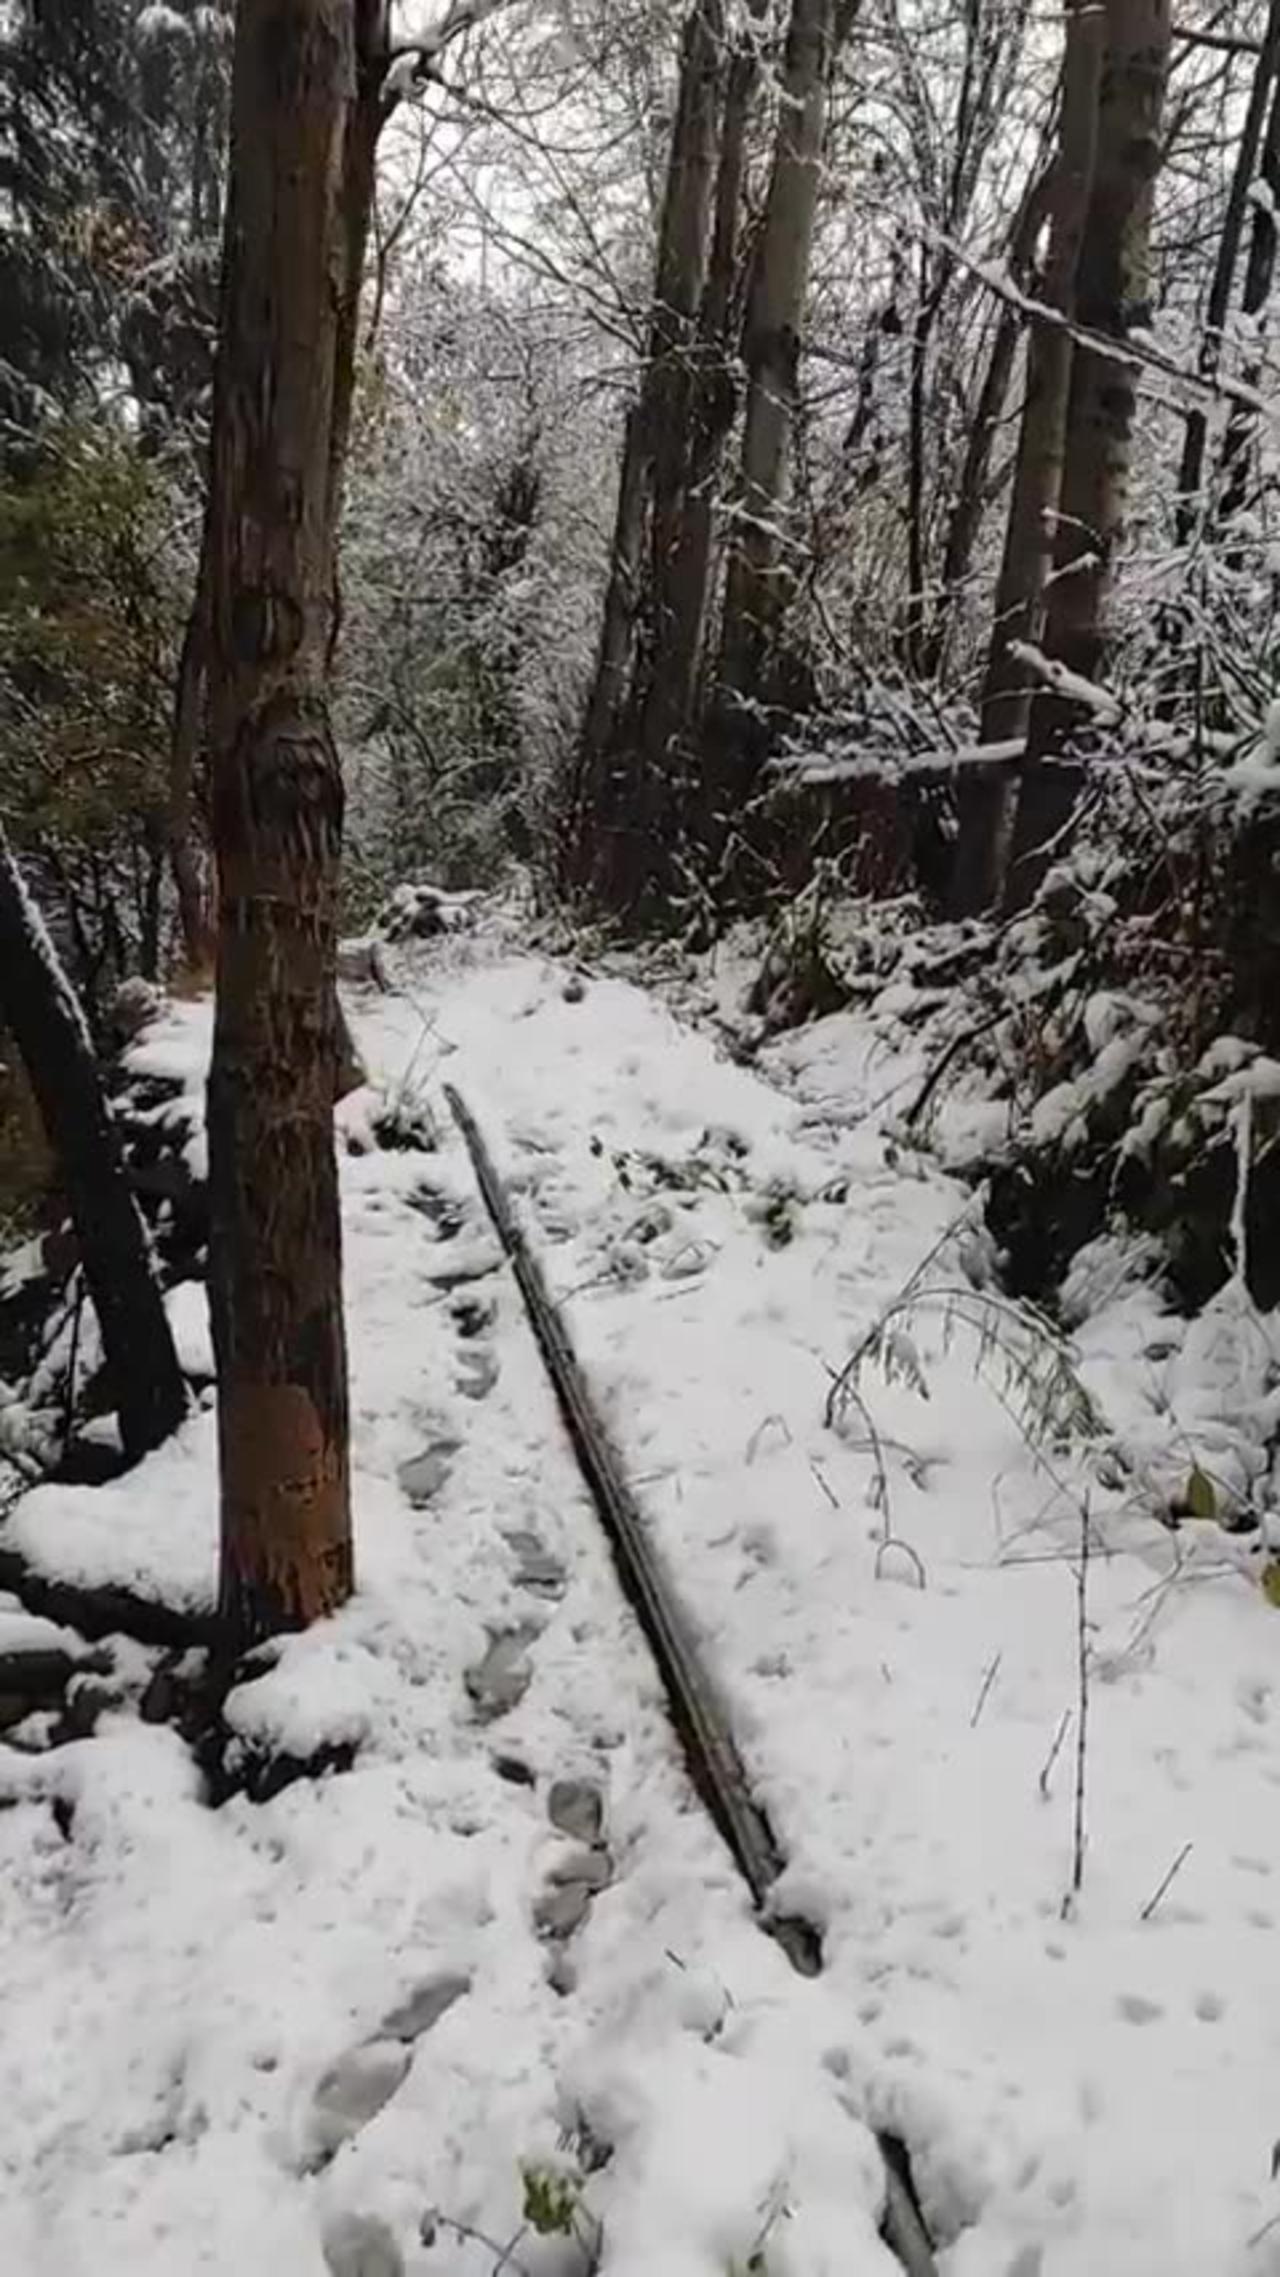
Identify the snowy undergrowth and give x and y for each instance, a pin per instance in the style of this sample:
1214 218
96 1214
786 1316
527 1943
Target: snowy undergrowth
1095 2093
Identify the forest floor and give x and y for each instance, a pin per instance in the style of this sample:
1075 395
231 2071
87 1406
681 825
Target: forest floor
397 2019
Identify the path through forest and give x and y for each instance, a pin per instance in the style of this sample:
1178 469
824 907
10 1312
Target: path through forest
352 2020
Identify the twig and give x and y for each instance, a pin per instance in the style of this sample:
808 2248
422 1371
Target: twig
69 1405
843 1377
825 1484
1064 1725
464 2232
987 1682
944 1059
1176 1868
893 1541
1078 1836
767 1423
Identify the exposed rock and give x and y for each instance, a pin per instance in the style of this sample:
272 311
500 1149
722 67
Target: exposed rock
360 2245
424 2007
576 1808
353 2091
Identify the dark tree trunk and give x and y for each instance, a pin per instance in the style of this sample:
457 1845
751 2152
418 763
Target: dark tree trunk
186 859
1112 293
1259 276
41 1013
305 89
971 497
613 839
757 584
989 797
1195 435
711 409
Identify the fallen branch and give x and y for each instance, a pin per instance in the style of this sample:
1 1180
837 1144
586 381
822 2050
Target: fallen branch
1175 1869
712 1758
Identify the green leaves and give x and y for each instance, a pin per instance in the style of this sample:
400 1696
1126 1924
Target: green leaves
1200 1499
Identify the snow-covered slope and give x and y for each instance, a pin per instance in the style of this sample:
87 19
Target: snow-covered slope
1085 2090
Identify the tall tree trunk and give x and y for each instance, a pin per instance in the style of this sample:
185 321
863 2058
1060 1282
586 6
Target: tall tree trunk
1038 468
710 418
41 1013
609 835
306 75
191 885
1259 275
988 797
965 517
1112 294
756 586
1195 435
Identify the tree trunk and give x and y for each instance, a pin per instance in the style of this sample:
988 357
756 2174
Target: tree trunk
1112 291
41 1013
1259 276
1037 479
1195 436
709 419
305 78
757 586
989 797
612 839
966 513
194 913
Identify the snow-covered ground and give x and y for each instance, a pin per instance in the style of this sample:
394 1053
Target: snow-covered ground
206 2061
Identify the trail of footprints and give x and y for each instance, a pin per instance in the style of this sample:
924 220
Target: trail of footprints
498 1681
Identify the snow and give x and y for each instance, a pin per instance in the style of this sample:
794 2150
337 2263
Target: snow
1085 2095
21 1631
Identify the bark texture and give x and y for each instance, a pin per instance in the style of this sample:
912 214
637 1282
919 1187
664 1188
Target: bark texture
971 498
41 1014
305 91
1195 434
195 914
757 585
645 600
684 591
1112 295
989 797
1259 276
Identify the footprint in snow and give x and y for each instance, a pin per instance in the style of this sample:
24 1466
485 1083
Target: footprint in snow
1136 2009
477 1373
